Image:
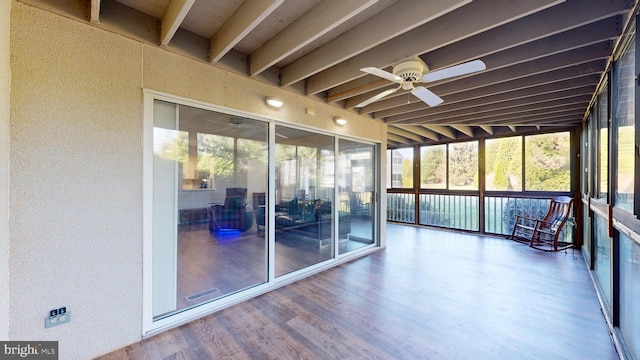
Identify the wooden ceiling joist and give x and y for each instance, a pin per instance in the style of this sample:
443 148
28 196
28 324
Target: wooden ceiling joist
404 133
479 97
323 18
174 15
428 134
398 139
467 130
487 128
249 15
425 38
398 18
94 12
442 130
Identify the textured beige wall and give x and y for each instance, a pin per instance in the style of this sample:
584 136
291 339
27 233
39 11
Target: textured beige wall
76 170
76 196
174 74
5 86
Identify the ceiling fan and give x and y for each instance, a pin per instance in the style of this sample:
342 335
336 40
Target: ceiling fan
409 72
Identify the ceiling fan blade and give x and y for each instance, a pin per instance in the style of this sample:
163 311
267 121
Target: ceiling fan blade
383 74
377 97
456 70
427 96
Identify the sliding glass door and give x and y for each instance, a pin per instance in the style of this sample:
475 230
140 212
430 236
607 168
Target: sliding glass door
304 192
209 169
234 205
356 184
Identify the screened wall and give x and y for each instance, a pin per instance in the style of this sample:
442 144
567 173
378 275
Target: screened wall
610 164
482 185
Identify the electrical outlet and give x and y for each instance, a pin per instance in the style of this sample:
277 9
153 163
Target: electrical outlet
57 317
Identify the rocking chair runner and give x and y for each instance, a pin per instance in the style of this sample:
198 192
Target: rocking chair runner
542 234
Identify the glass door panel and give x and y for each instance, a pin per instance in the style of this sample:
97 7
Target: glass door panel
209 169
304 192
356 189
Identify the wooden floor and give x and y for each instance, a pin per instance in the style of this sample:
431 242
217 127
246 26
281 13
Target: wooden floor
429 295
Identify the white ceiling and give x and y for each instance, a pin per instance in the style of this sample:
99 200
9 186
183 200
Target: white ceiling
545 58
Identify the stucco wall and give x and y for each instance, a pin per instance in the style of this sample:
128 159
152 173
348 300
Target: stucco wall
76 170
174 74
5 85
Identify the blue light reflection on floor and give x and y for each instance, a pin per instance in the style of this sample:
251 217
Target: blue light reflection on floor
228 234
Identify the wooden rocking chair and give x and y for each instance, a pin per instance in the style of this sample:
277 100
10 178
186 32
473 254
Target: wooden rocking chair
542 234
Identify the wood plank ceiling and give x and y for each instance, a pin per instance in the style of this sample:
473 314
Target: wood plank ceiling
545 59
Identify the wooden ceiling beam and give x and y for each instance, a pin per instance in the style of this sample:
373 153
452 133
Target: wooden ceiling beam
481 96
442 130
359 86
471 19
396 138
404 133
557 61
172 18
249 15
567 95
94 12
467 130
530 118
564 118
420 130
321 19
604 30
499 114
487 128
397 19
580 21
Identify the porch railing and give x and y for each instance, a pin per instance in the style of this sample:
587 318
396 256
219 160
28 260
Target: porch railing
450 211
462 212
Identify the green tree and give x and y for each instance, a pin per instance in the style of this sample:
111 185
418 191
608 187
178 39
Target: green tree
434 167
407 173
463 164
215 155
547 162
504 163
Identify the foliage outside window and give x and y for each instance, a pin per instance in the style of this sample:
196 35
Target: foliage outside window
585 159
215 159
433 169
625 119
603 143
463 166
401 168
503 164
547 162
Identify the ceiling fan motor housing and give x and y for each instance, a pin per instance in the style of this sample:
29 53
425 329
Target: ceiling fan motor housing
409 71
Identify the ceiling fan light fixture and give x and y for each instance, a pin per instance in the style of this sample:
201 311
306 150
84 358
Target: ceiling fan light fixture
273 102
340 121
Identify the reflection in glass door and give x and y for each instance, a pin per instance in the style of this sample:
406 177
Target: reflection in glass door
356 192
304 191
209 170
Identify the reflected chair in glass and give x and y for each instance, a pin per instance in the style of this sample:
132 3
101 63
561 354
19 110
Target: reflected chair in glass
235 214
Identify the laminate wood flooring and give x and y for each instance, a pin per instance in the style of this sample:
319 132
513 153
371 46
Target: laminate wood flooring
429 295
